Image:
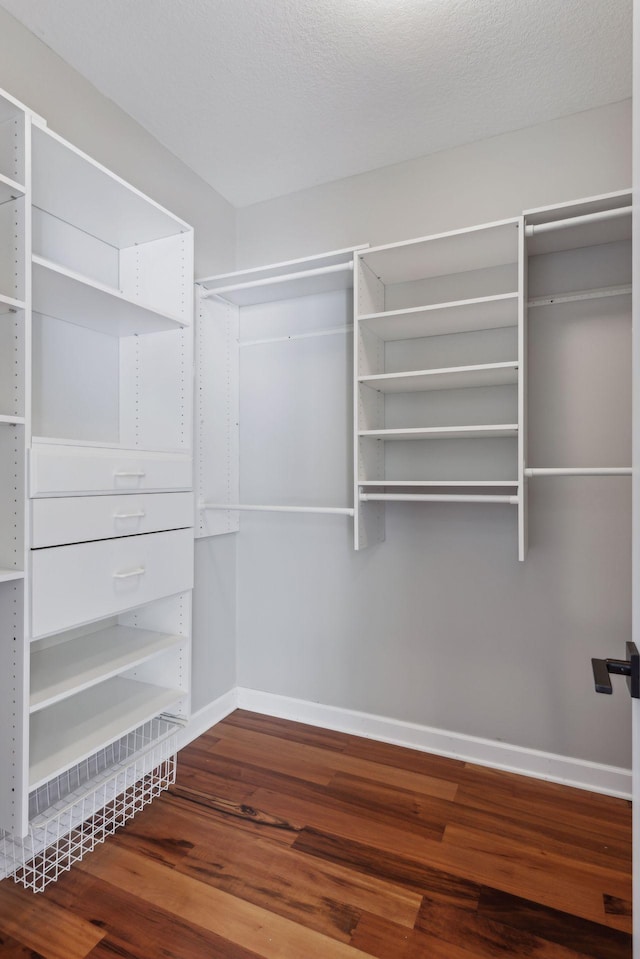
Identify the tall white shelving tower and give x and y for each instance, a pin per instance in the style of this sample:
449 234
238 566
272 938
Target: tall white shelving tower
97 509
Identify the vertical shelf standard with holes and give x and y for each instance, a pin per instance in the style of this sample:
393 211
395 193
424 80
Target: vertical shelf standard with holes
439 364
96 521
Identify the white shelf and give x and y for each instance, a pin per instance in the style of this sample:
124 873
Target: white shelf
8 575
8 304
68 668
511 484
72 730
443 254
602 293
452 378
10 189
12 420
65 295
460 316
442 432
287 280
73 187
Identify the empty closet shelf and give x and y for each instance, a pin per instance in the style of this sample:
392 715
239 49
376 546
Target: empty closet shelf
445 483
9 304
458 316
442 432
69 731
437 498
7 575
71 667
450 378
9 189
66 295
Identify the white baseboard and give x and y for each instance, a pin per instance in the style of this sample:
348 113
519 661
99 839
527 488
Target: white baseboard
207 717
595 777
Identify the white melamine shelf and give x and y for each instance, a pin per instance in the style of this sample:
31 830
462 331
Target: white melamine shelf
442 432
602 293
511 484
287 280
12 420
8 304
7 575
68 668
72 730
443 254
451 378
65 295
460 316
75 188
10 189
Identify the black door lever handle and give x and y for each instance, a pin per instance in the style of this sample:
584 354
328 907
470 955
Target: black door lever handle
603 668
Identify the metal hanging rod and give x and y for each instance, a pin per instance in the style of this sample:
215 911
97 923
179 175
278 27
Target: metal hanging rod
436 498
533 229
337 510
285 278
579 471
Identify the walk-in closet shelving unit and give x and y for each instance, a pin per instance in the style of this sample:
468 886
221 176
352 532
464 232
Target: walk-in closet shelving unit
242 317
439 380
104 652
579 256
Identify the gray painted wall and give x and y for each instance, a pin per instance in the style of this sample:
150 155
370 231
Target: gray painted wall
30 71
440 624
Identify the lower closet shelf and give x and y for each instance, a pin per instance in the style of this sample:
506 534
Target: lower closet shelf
68 668
72 730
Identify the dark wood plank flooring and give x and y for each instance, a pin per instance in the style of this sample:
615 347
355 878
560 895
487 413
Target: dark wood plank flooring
281 841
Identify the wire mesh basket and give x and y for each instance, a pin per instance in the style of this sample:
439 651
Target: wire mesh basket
71 814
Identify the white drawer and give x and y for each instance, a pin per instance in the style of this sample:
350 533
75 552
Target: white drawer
56 469
77 519
72 585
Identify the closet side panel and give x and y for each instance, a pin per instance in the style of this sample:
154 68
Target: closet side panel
217 473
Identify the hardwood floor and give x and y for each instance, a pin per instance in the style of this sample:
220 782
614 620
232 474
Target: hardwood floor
281 841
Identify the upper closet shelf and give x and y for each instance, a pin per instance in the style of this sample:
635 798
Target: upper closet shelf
442 432
9 189
65 295
72 730
443 254
8 304
68 668
459 316
286 280
75 188
571 226
453 378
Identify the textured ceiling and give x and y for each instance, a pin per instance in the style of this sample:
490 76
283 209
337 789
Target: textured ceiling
265 97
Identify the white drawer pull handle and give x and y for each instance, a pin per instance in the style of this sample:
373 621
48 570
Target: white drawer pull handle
121 473
132 572
138 515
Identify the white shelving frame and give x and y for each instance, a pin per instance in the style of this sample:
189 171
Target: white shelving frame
429 268
72 702
219 300
593 222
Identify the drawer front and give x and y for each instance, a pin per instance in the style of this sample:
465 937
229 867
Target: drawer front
73 585
78 519
58 469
